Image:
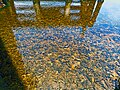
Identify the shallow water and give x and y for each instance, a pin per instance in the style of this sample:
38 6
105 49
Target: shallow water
78 50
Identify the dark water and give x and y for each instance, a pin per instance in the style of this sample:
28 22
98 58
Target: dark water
66 46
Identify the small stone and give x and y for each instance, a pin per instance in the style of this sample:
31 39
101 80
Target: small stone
72 67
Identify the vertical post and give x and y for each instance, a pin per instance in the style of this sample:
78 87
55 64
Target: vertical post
36 4
67 7
11 7
95 13
90 10
86 10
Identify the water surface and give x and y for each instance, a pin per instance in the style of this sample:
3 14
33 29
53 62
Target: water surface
71 46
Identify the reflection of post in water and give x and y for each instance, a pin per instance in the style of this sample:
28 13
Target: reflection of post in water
12 7
36 4
89 12
10 3
86 12
11 10
95 13
67 7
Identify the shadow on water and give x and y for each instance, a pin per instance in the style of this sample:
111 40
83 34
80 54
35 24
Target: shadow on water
12 72
9 79
9 75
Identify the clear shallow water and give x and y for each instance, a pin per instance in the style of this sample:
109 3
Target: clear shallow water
66 53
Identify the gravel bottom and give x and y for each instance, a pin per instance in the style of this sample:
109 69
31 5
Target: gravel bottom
61 58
